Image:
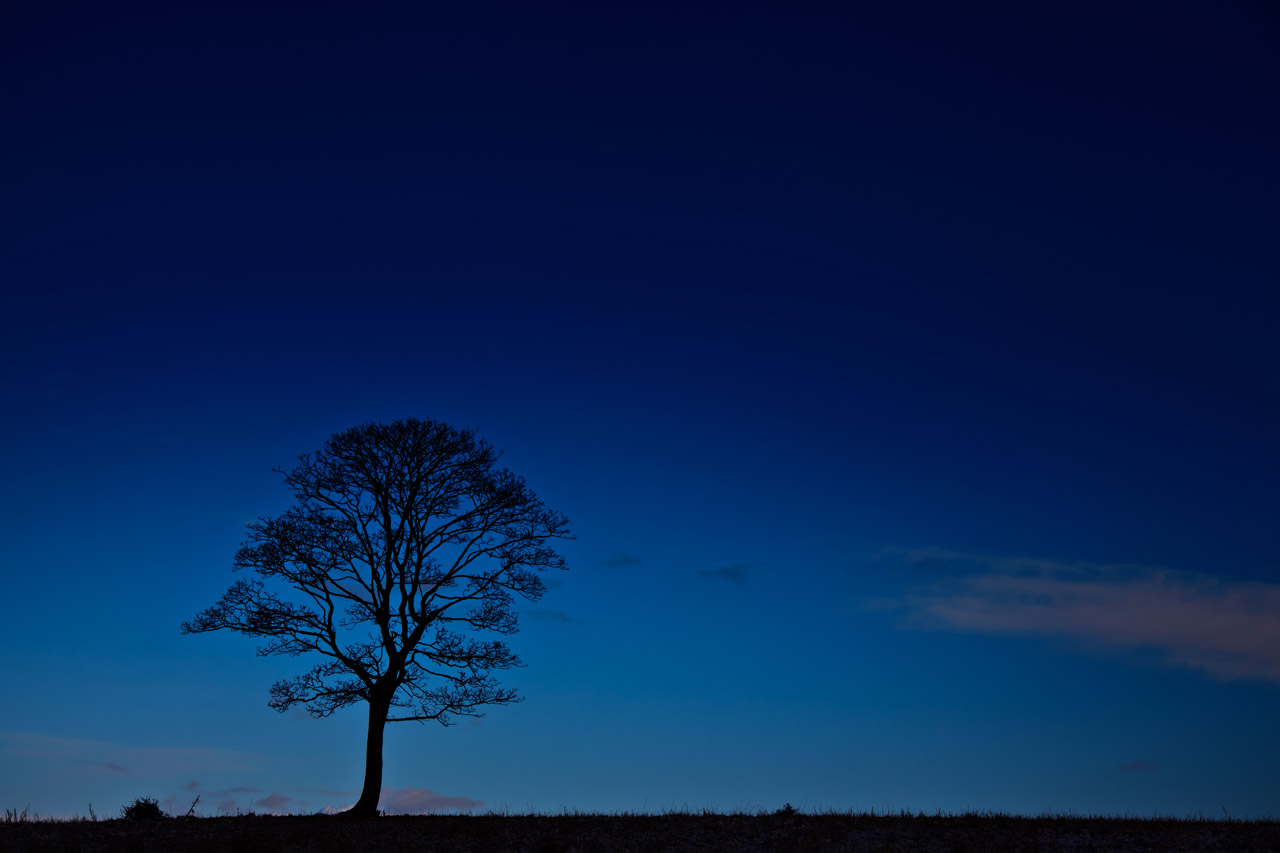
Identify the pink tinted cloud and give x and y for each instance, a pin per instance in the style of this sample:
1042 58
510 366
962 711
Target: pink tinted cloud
421 800
1226 629
227 804
273 802
416 801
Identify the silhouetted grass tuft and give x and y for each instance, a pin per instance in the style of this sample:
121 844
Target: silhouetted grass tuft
15 816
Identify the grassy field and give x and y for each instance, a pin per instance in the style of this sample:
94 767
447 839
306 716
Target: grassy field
707 831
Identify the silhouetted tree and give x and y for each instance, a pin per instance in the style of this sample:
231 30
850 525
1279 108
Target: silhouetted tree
403 539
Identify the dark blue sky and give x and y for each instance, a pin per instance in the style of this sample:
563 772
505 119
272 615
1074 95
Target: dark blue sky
907 371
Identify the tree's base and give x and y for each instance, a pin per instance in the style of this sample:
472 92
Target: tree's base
359 812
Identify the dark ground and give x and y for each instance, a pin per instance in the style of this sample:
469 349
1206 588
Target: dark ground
708 832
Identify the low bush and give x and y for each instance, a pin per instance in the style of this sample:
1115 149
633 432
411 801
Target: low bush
143 808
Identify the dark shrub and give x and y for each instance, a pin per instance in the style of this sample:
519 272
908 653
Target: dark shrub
143 808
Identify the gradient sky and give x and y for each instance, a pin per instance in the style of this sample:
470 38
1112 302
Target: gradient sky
908 373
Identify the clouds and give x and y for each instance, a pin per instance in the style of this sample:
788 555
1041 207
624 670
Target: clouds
1222 628
410 801
225 802
95 756
552 616
274 802
422 801
735 573
738 573
1139 766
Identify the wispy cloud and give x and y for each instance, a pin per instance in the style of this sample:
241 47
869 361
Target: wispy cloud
1139 766
222 801
274 802
86 755
421 800
738 573
416 801
621 561
1226 629
552 616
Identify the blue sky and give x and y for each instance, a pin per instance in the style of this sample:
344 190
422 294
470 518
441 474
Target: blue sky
908 377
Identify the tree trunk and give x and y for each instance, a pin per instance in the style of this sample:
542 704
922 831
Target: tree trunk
367 805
